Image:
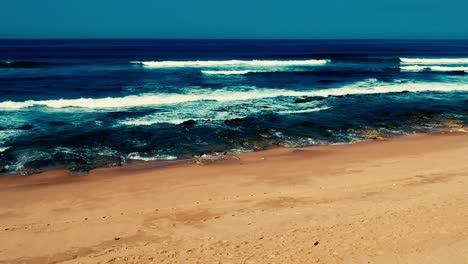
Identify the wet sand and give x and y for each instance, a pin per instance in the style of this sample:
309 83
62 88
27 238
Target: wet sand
402 200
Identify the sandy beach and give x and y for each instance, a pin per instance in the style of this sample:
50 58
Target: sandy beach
401 200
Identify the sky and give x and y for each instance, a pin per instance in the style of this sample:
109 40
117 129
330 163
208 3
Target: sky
260 19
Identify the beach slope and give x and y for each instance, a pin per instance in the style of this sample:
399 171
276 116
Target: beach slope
402 200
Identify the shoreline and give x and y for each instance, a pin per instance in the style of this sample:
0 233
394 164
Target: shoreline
138 165
445 125
398 200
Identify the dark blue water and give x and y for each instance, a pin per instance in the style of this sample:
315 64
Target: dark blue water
83 104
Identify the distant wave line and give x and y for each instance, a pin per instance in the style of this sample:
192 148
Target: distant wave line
434 68
234 72
434 61
230 63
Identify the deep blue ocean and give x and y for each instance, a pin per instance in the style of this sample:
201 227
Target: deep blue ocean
83 104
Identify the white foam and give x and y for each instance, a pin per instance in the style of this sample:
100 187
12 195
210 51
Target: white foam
146 121
109 102
234 72
434 68
230 63
226 96
311 110
2 149
434 61
137 156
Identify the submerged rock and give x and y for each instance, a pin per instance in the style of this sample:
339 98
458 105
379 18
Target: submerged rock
21 64
369 133
309 124
83 166
327 81
457 73
3 163
234 121
421 118
187 123
36 166
453 123
25 127
58 123
29 171
308 99
210 159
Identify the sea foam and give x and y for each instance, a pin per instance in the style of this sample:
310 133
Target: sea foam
224 95
434 61
434 68
310 110
230 63
137 156
233 72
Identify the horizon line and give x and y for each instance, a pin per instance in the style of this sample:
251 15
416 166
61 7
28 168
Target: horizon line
146 38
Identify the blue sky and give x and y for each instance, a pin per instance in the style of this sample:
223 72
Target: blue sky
234 19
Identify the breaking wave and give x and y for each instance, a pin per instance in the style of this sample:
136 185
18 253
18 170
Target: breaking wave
434 68
234 72
311 110
230 63
434 61
224 96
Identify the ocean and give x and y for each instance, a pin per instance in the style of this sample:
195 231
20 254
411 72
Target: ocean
85 104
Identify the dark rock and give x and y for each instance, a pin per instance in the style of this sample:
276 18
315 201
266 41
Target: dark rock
107 161
190 122
118 114
57 123
339 96
30 171
82 166
21 64
327 81
457 73
36 166
316 243
234 121
78 172
309 124
25 127
3 163
386 113
308 99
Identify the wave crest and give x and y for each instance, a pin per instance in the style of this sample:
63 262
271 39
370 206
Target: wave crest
230 63
233 72
434 68
434 61
224 96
